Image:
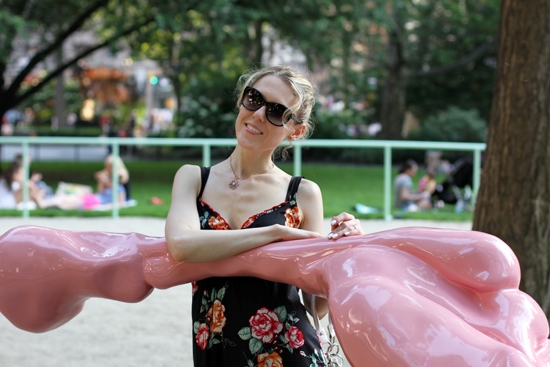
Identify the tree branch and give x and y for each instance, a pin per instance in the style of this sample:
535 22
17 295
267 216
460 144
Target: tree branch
476 54
85 53
40 56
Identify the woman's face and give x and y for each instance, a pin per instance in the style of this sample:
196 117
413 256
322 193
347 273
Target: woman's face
252 128
413 170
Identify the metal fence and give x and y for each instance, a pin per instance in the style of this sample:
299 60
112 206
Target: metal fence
387 145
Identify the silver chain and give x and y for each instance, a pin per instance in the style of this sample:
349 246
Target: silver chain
332 351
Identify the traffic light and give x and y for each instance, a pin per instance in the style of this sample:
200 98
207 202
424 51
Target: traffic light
154 80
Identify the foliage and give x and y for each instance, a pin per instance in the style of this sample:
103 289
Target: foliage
42 102
454 124
31 40
445 34
335 125
67 131
205 45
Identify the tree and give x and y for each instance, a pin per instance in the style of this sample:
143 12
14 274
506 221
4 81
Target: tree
429 39
198 49
423 53
514 197
205 49
41 28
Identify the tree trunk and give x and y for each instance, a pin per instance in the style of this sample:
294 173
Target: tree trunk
60 105
256 49
514 198
393 102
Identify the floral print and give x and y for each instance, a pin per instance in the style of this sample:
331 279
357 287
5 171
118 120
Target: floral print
217 222
209 330
295 337
216 316
265 325
248 322
213 220
270 360
203 333
270 333
292 217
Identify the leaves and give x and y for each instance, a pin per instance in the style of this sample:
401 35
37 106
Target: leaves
245 333
255 345
281 312
221 293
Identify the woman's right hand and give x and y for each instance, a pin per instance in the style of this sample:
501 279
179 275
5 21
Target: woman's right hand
289 233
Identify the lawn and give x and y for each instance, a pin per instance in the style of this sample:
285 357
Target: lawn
343 186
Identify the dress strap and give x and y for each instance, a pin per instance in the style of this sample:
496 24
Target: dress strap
293 187
205 172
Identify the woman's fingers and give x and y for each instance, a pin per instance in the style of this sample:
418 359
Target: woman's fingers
344 224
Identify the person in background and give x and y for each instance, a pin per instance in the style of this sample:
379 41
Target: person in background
405 197
7 187
245 202
427 182
11 186
104 194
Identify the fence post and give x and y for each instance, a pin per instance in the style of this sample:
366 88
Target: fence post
206 155
25 160
115 152
477 172
387 183
297 152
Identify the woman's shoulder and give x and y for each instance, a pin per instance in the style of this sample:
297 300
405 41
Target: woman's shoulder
403 177
309 188
189 169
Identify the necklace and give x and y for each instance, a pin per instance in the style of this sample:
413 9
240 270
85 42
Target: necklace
235 182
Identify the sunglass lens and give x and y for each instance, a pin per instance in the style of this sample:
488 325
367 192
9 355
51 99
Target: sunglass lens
253 100
275 113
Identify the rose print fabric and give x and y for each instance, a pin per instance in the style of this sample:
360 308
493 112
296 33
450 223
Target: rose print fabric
250 322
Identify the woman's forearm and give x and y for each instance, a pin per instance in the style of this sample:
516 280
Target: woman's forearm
200 246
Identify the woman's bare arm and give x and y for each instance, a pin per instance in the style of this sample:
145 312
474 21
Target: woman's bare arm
310 202
186 242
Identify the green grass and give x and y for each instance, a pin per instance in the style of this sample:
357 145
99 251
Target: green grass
342 186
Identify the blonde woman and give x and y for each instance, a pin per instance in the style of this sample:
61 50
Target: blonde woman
242 203
103 196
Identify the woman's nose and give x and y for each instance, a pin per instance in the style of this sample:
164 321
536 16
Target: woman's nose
259 114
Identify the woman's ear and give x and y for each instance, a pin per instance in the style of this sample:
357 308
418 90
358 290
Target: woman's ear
297 133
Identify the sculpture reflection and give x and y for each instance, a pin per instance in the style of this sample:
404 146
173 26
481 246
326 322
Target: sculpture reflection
405 297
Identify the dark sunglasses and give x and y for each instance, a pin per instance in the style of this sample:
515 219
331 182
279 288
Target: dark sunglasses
275 113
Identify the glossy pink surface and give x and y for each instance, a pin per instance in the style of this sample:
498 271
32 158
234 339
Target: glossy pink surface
405 297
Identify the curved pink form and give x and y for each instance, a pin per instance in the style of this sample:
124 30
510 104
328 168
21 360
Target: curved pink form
405 297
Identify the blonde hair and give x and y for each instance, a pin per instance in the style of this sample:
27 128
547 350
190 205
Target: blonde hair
300 85
121 168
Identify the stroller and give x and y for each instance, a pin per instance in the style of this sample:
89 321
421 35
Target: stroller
457 187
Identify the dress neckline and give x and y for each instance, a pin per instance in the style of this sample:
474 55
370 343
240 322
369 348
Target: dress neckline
250 219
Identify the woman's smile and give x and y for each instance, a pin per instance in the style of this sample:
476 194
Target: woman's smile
252 129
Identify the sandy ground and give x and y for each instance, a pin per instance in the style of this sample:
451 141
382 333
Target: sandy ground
153 333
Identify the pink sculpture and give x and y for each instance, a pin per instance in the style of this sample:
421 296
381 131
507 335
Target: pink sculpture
405 297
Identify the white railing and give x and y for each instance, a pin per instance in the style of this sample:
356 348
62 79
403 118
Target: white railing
387 145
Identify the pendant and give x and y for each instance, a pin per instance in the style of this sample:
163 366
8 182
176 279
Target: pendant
233 184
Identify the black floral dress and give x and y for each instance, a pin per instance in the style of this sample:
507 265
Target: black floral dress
250 322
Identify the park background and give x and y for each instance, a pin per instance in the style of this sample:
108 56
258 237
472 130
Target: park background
463 70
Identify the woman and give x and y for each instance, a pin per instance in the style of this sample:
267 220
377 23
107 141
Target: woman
242 203
91 200
404 196
11 186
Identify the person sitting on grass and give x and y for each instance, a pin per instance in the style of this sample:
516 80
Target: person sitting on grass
92 200
11 186
405 198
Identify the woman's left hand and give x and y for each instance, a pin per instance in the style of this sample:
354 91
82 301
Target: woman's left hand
344 224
